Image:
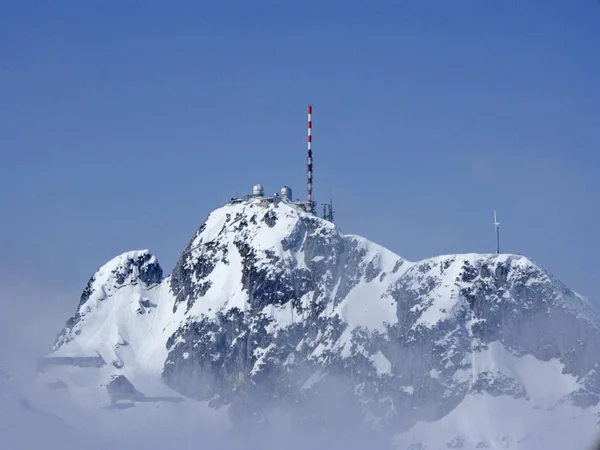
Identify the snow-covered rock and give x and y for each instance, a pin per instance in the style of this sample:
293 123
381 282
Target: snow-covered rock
273 309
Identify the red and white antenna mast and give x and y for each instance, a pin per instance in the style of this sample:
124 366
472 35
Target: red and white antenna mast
310 167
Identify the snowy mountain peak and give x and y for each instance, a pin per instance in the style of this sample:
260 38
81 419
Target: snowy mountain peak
254 255
490 286
128 268
135 271
269 305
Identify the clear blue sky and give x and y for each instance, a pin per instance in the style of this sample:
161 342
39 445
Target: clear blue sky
122 127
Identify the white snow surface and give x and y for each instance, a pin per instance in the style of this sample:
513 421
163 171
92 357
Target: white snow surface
544 381
117 327
484 421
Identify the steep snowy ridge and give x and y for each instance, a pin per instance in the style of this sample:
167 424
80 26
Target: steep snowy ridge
269 307
121 315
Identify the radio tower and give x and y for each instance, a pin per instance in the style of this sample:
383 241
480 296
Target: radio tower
309 185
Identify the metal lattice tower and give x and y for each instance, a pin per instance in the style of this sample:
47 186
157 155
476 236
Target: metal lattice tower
328 211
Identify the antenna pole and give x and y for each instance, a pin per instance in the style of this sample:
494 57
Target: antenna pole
497 226
310 168
498 239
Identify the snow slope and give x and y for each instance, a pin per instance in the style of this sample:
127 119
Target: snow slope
125 316
485 421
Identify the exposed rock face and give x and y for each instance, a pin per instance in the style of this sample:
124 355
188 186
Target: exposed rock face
269 307
120 388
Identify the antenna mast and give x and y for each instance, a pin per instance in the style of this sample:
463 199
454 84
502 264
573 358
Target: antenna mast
309 185
497 226
328 211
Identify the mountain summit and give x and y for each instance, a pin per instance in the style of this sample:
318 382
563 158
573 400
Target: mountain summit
270 308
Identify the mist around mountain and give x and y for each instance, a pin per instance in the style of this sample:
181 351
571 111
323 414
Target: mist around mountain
275 328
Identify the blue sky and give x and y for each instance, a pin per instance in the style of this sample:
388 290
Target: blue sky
123 126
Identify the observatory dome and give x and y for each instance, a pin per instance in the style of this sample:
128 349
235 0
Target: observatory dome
258 190
286 192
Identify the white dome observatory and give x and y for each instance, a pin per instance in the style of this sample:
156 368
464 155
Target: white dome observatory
286 193
258 190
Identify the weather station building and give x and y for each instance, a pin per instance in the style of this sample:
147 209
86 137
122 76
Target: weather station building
284 195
